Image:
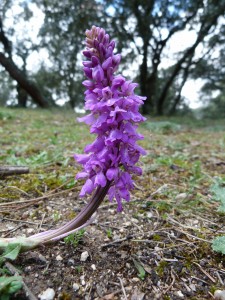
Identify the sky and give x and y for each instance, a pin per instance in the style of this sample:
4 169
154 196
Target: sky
178 42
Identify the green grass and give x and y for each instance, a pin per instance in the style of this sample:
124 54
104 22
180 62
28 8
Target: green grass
185 158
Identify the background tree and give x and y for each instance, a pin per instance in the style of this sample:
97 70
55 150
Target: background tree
149 26
212 72
145 31
63 35
24 85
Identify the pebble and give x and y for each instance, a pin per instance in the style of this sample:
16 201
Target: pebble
219 295
149 214
192 287
93 267
71 262
82 280
48 294
179 294
181 196
135 279
76 287
84 256
59 258
128 265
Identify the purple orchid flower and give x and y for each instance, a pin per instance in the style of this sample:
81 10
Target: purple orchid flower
110 161
114 118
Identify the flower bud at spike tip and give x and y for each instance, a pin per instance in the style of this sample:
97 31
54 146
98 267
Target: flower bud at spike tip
114 118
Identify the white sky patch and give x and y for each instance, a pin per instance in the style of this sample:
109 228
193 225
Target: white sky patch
26 32
178 43
191 91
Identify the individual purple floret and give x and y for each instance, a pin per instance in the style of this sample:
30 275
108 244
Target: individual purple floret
114 118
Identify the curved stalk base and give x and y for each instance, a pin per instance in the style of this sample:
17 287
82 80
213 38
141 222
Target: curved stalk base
83 219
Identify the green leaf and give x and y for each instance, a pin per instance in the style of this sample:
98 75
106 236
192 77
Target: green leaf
140 269
218 192
9 285
12 251
218 244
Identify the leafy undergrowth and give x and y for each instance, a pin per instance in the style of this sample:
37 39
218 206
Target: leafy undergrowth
158 248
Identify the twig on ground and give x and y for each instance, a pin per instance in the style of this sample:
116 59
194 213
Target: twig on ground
206 273
193 236
22 221
123 289
34 200
12 230
14 271
40 225
12 170
17 189
219 277
129 237
172 283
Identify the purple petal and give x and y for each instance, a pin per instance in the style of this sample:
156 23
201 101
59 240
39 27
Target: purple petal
88 119
81 175
124 193
87 188
107 63
88 72
100 179
97 73
112 173
81 158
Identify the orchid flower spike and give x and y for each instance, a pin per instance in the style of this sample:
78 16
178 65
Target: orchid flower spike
114 118
109 163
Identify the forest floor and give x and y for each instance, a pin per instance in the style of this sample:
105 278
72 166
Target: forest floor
159 247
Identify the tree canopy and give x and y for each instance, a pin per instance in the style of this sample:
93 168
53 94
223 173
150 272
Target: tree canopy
145 32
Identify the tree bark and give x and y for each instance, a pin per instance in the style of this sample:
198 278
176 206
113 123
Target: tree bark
26 84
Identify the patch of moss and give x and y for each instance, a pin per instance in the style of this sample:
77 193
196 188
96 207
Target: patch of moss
160 269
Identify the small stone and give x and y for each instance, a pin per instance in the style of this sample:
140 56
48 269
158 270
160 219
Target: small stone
181 196
135 220
30 230
192 287
93 267
76 287
109 296
179 294
149 214
59 258
71 262
126 224
84 256
128 265
219 295
82 280
48 294
135 279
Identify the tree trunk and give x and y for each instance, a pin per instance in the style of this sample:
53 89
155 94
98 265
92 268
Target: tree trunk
147 84
21 96
27 85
